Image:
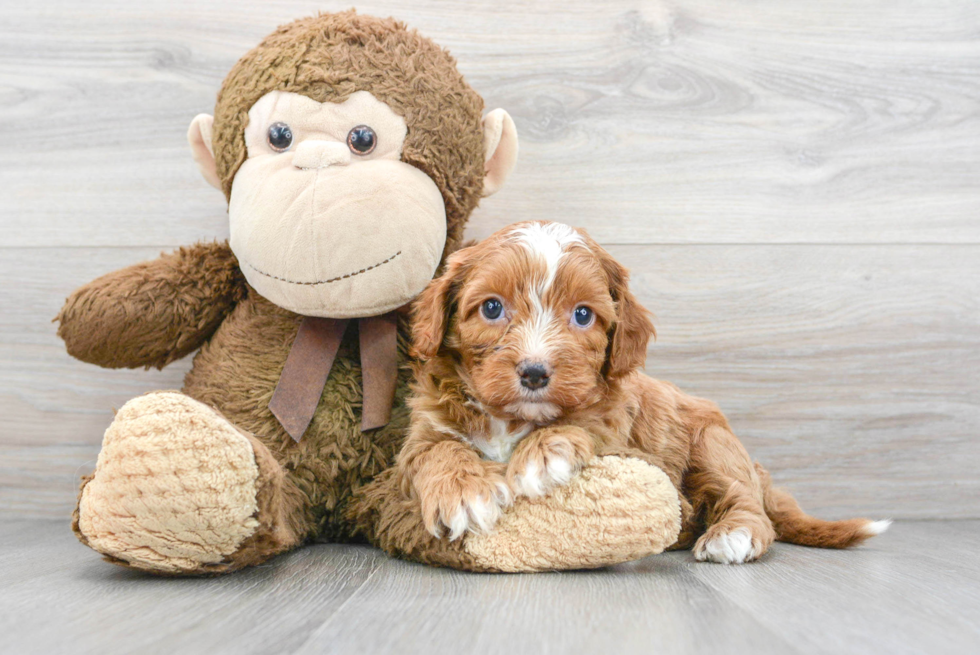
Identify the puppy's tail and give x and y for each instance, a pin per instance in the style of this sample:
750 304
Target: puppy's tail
797 527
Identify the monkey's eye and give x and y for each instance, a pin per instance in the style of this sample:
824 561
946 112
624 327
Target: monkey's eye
492 309
362 140
583 317
280 137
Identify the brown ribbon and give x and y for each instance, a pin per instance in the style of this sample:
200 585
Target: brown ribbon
379 368
311 357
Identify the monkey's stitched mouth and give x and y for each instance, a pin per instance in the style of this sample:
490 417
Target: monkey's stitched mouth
331 280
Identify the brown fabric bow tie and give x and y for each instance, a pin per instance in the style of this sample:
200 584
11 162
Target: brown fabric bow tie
311 357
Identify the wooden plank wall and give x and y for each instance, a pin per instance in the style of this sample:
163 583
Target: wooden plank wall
795 185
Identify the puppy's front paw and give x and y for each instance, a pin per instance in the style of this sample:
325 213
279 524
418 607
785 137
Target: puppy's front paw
728 546
463 503
548 461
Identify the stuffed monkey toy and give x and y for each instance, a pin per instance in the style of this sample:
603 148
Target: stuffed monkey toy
351 153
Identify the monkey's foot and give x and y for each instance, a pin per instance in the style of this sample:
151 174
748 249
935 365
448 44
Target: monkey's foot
615 510
175 490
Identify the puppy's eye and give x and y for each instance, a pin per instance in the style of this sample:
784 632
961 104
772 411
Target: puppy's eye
362 140
583 317
280 137
492 309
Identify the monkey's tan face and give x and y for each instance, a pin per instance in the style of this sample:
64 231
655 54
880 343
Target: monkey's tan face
326 220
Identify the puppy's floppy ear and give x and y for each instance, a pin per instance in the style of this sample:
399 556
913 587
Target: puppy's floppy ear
431 310
633 330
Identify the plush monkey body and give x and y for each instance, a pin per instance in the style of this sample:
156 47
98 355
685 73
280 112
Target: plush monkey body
313 481
236 372
144 507
207 480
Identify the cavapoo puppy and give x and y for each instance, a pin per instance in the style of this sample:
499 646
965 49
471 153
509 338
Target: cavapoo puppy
531 348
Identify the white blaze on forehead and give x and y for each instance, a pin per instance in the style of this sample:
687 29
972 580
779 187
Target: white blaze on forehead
537 333
549 241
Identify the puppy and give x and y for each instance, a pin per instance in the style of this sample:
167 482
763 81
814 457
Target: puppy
530 349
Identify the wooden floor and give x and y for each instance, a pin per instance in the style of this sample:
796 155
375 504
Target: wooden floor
914 590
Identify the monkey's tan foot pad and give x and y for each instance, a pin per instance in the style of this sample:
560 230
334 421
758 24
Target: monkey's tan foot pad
174 489
617 509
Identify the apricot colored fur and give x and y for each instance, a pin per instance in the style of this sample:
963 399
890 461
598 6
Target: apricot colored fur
467 388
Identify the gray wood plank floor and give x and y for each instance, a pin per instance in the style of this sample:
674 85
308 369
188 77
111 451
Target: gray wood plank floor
914 590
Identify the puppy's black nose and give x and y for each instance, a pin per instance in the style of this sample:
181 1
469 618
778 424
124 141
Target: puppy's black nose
534 375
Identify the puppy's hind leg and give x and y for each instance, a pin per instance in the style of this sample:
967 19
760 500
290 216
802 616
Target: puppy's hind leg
725 488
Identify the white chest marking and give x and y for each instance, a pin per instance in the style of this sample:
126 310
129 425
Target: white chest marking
499 444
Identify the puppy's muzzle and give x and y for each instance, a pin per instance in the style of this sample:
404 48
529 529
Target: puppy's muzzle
534 375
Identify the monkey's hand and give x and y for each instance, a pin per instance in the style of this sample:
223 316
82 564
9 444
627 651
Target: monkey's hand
153 313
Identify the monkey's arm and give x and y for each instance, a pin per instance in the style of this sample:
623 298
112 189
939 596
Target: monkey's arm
153 313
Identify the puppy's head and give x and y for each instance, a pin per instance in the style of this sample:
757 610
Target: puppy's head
540 317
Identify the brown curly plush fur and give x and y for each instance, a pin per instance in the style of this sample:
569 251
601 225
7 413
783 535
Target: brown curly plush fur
153 313
156 312
331 56
237 372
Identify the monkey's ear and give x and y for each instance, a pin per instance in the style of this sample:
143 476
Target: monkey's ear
500 145
199 136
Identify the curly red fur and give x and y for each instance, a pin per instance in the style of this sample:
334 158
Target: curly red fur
469 399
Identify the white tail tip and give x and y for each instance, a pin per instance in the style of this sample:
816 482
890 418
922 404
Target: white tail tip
876 527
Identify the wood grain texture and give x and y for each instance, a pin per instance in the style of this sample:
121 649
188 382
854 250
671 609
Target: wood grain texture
655 122
920 571
913 590
795 185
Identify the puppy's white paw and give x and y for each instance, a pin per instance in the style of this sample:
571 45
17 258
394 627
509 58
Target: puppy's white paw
734 547
479 514
474 508
536 481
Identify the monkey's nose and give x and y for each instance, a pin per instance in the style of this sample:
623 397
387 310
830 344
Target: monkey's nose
534 375
320 154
